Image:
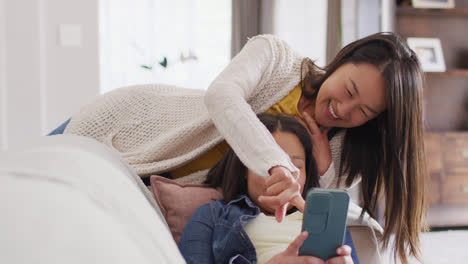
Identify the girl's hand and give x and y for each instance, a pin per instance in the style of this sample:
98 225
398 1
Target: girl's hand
282 188
320 145
344 256
291 254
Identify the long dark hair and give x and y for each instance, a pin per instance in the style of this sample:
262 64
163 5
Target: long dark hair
229 173
388 151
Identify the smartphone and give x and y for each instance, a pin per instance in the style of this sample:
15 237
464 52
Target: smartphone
324 219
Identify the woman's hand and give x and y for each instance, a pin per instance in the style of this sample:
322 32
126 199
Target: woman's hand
320 145
282 188
291 254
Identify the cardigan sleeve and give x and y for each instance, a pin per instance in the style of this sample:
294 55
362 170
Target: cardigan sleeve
227 103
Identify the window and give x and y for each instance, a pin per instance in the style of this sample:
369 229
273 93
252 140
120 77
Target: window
179 42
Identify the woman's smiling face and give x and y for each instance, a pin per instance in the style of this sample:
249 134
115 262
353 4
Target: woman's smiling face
351 96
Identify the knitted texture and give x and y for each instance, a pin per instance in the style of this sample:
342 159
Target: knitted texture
157 128
154 127
263 73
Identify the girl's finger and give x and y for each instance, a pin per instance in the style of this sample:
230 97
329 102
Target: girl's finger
299 203
278 177
344 250
305 125
272 201
277 188
294 247
282 198
312 124
325 132
280 212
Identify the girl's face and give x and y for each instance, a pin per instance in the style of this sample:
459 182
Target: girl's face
351 96
291 144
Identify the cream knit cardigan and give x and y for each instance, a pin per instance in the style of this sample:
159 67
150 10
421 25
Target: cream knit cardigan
158 127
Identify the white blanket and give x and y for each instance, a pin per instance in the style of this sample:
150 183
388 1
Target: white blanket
69 199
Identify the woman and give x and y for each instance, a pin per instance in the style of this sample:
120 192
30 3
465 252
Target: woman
372 89
240 229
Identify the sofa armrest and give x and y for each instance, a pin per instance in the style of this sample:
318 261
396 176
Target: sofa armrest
367 248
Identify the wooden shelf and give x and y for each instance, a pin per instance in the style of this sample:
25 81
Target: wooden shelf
445 109
431 12
450 73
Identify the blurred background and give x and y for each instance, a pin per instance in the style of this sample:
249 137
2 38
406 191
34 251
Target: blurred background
57 55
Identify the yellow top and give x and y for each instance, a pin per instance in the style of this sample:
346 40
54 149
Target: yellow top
287 105
205 161
267 243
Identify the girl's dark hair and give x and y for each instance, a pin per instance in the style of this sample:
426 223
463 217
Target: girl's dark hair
388 151
229 173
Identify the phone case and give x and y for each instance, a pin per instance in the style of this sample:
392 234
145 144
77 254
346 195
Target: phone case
324 219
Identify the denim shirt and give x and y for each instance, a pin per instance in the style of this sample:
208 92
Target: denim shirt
215 234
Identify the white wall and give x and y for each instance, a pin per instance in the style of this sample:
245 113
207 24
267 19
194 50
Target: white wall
45 83
303 24
361 18
349 18
72 72
42 83
2 77
22 109
368 17
387 15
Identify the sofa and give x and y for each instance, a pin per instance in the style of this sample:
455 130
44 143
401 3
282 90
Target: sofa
70 199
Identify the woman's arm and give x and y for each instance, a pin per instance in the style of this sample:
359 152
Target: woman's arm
196 240
227 102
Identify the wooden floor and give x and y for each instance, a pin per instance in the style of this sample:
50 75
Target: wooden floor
444 247
448 216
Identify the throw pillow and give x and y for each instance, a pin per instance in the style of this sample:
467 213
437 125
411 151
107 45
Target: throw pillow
179 201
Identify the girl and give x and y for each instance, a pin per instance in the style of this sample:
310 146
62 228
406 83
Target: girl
240 229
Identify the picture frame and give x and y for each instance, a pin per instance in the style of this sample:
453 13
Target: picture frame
429 52
433 3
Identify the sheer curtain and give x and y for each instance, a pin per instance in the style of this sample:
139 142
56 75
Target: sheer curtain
180 42
334 34
246 22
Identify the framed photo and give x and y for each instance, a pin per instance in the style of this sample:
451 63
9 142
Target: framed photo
433 3
429 51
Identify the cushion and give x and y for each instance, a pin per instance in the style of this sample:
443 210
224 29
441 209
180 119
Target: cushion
179 201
